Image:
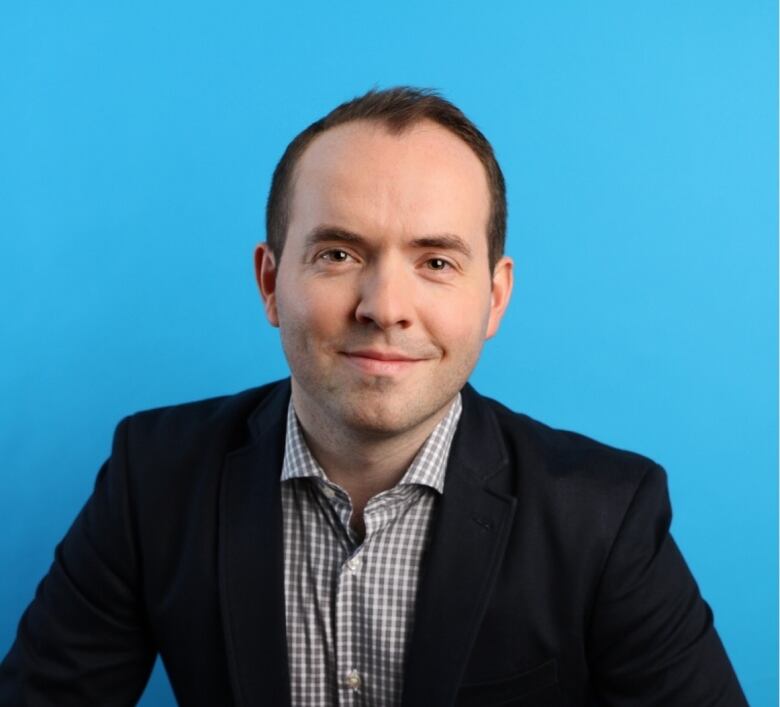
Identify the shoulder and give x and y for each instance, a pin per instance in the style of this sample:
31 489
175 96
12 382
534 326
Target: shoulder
220 422
167 463
560 453
178 451
575 498
570 478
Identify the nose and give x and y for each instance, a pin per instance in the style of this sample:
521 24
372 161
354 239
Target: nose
385 297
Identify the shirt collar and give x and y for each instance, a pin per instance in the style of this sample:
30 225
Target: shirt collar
427 467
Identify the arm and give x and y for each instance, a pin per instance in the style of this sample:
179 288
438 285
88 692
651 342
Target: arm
83 640
652 637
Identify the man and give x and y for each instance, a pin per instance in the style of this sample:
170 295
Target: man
372 531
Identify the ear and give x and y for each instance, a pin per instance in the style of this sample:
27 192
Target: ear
500 292
266 273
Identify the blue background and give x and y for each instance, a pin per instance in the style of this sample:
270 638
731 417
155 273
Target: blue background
639 144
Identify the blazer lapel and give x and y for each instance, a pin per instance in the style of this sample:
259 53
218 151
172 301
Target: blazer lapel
251 572
468 540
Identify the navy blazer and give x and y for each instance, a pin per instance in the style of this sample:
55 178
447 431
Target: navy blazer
550 579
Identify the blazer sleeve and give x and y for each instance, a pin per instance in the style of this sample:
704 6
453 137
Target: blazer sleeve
652 637
84 640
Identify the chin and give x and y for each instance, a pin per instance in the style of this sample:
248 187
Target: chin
382 415
377 419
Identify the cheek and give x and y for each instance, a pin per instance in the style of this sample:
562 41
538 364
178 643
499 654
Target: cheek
313 310
460 322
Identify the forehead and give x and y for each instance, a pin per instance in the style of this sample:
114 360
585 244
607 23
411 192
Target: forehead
361 176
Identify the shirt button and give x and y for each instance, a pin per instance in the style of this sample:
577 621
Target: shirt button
328 491
353 681
353 564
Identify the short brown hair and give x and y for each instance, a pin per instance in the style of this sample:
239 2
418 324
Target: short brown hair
397 108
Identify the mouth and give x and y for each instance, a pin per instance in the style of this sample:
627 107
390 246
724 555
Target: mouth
381 363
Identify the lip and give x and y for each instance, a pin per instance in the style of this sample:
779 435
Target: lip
380 363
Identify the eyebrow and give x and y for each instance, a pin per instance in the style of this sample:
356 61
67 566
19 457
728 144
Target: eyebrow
444 241
328 234
440 241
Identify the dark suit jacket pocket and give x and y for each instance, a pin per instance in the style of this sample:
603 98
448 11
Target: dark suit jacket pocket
535 686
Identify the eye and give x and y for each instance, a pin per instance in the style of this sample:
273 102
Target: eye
438 264
335 255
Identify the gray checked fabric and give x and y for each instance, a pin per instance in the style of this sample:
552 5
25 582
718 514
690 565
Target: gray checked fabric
350 606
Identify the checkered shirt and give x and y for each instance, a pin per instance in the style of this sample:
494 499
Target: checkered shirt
350 606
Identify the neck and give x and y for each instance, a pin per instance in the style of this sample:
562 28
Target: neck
362 463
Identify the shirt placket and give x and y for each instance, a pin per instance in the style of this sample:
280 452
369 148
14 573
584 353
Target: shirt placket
351 673
350 680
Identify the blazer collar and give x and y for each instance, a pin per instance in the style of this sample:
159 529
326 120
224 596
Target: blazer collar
251 570
468 540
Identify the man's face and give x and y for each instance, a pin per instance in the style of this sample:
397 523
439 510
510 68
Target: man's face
384 296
